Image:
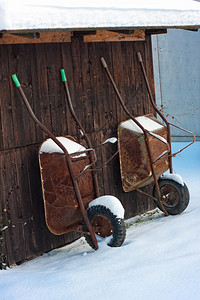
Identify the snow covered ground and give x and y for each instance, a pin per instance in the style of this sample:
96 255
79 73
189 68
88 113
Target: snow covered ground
160 258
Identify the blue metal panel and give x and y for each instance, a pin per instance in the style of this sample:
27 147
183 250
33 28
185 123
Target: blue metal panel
176 58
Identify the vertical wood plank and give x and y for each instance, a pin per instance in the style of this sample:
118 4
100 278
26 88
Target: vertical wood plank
57 105
3 250
5 101
149 70
41 92
101 114
67 64
78 82
14 235
24 129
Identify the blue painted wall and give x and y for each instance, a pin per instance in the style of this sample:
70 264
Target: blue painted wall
176 57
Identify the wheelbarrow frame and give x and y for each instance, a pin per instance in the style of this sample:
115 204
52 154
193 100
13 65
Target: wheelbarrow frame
147 133
68 159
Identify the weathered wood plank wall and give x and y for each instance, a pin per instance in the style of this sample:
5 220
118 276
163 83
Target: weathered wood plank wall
37 66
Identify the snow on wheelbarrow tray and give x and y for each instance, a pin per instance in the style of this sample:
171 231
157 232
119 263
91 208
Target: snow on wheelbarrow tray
49 146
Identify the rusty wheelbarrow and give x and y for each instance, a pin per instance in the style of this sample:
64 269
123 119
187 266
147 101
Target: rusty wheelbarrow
70 186
144 145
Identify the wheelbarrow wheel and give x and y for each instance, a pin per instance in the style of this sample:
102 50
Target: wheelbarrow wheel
175 196
104 224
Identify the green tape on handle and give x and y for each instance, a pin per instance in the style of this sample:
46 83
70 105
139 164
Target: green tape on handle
62 72
16 80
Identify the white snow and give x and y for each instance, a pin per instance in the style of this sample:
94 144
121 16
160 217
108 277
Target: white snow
45 14
175 177
159 260
111 140
49 146
110 202
162 139
146 122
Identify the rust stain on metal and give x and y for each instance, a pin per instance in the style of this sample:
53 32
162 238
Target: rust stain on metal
62 211
135 166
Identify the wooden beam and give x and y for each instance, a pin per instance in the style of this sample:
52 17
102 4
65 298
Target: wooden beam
42 37
29 35
111 36
156 31
83 32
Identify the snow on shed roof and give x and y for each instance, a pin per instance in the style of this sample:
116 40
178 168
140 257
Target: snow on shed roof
80 14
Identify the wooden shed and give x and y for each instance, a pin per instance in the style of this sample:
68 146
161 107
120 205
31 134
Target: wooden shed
37 55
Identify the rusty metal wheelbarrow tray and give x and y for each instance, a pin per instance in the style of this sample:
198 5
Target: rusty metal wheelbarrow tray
134 163
62 212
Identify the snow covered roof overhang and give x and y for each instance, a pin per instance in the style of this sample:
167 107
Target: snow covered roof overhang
43 15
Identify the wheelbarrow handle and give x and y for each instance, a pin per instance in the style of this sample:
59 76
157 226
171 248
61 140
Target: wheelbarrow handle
156 109
162 116
79 125
139 56
33 116
103 62
141 127
68 160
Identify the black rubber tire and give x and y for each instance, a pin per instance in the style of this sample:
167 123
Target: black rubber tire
117 224
178 198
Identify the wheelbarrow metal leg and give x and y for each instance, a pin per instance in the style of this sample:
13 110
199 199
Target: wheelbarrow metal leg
80 201
154 174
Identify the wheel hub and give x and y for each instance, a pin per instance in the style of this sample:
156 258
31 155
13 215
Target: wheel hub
170 196
102 226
